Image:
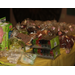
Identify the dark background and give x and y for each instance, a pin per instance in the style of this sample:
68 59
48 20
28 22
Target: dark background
37 13
5 12
71 11
33 13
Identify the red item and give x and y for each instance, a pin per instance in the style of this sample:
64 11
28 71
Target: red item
49 43
39 45
40 38
66 42
36 41
59 33
51 52
1 34
39 51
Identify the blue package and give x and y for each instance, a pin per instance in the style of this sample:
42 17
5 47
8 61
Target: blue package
10 32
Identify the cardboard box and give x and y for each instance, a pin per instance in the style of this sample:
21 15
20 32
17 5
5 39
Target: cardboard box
7 28
47 53
2 45
46 43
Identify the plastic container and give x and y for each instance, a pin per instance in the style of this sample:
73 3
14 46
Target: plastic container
28 58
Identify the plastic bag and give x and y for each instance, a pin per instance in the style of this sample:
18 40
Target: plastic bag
66 42
13 58
15 33
28 58
18 27
14 44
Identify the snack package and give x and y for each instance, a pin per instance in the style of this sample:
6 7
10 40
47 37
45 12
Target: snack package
28 58
18 26
21 28
66 42
14 33
3 19
2 37
13 55
14 44
7 29
1 34
71 29
30 23
13 58
31 26
24 23
46 52
13 52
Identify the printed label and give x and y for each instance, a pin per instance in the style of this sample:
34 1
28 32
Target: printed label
55 44
10 27
56 53
53 28
10 34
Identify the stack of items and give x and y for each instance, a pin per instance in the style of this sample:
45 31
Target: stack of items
5 32
44 38
13 56
46 48
21 38
28 34
50 29
15 42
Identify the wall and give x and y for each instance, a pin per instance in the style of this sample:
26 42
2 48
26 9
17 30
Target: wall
12 18
63 18
66 18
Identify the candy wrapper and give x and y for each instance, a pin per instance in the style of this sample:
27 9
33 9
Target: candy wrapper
66 42
14 44
24 23
28 58
31 26
21 28
13 55
14 33
10 52
30 23
18 26
49 29
13 58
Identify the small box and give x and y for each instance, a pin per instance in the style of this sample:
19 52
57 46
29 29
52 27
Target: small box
2 45
46 43
47 53
8 30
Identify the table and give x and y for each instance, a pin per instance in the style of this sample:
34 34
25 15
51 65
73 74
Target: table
62 60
